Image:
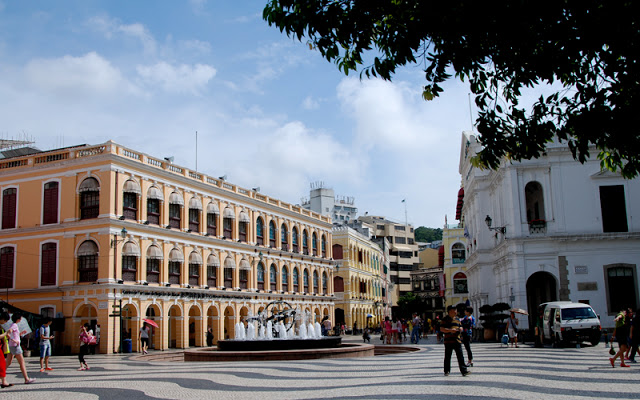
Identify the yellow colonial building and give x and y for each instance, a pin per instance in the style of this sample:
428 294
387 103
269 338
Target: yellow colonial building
361 280
455 271
109 235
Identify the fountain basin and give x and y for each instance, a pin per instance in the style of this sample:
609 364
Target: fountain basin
279 344
342 351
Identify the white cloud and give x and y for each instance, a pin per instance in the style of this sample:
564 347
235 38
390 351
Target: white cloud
110 27
196 46
310 103
88 74
388 115
177 79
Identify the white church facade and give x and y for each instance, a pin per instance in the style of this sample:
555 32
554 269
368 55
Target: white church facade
560 230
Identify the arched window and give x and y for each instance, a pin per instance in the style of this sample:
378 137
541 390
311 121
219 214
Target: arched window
243 226
50 203
195 208
229 266
48 264
89 198
130 255
535 202
305 243
212 218
212 270
272 234
460 283
273 277
259 231
154 259
315 282
175 207
285 279
296 280
325 289
324 246
305 276
7 261
195 263
458 253
227 222
9 203
314 243
284 245
294 239
130 193
260 276
176 258
88 262
154 197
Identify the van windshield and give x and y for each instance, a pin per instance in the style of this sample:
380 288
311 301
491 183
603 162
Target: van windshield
578 313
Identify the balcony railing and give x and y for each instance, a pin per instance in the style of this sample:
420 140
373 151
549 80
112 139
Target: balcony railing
537 226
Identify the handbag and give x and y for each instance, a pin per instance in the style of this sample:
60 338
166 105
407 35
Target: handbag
611 350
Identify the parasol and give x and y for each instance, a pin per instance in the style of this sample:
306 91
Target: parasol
151 322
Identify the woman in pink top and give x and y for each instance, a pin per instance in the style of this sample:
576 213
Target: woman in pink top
15 349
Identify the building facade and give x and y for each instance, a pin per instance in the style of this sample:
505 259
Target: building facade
403 255
455 272
426 284
323 200
110 236
550 229
361 280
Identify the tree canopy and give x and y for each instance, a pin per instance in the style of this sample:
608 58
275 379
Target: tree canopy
589 48
424 234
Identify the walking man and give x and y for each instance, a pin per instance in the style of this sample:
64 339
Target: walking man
45 345
452 329
415 332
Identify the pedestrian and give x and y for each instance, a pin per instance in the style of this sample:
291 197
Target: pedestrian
355 328
326 325
144 338
512 330
365 335
437 329
15 349
4 345
628 321
45 344
468 323
620 333
388 329
85 339
415 331
634 335
451 328
209 337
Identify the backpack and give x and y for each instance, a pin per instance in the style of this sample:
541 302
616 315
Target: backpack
37 339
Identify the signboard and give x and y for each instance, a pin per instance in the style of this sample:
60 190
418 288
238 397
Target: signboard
22 326
103 305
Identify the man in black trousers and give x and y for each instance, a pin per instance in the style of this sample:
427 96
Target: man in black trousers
452 329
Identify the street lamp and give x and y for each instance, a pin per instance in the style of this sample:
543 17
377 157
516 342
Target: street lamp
501 229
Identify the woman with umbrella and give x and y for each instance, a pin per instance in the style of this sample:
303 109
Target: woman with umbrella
144 334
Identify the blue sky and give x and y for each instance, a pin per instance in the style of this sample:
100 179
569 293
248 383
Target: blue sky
269 111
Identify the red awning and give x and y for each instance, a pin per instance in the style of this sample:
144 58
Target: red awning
460 204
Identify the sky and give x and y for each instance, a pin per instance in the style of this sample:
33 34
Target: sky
268 111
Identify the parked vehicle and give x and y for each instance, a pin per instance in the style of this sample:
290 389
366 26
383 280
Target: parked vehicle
565 322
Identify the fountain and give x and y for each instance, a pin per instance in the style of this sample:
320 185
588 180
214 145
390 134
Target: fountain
277 339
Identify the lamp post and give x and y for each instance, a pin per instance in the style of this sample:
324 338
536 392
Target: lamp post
501 229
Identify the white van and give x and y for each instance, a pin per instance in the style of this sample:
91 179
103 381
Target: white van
565 322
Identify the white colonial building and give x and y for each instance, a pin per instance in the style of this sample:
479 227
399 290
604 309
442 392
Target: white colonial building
561 230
